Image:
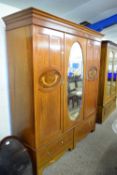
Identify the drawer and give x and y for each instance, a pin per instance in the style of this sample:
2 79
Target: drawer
63 143
82 130
49 152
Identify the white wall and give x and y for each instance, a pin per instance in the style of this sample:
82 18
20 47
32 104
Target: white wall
5 128
110 33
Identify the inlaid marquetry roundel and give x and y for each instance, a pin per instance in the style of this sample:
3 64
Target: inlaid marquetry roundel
49 79
92 73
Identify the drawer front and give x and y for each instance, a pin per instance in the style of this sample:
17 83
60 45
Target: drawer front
50 151
61 144
81 131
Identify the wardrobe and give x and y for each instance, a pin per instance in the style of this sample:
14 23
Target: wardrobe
108 81
53 80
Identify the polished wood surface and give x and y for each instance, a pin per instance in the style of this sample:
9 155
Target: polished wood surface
48 49
106 103
39 46
91 85
84 128
33 16
21 83
49 152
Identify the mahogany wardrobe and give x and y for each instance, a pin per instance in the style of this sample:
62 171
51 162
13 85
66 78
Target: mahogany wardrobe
53 75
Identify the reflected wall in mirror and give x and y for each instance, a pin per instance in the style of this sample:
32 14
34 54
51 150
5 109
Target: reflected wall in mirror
109 73
75 81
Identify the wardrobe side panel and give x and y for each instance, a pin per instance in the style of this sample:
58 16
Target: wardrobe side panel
21 83
102 77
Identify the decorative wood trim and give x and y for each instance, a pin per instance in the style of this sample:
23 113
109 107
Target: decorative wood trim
32 16
49 79
92 73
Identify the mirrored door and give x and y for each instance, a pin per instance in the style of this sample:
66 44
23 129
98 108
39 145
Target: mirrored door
114 81
109 73
75 81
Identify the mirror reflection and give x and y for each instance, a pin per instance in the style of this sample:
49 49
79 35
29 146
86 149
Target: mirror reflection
109 75
75 81
114 73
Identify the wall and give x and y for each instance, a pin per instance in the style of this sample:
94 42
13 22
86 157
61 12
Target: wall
5 127
110 33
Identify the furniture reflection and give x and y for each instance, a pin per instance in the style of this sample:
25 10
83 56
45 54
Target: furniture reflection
74 92
112 76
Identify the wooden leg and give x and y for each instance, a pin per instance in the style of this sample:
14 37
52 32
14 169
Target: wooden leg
93 129
70 149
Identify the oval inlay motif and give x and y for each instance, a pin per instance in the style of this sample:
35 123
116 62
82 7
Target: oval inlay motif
92 73
49 78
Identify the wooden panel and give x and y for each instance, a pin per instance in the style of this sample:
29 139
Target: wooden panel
109 108
106 101
104 111
84 128
49 152
21 83
109 49
102 77
63 143
48 46
43 156
91 86
69 41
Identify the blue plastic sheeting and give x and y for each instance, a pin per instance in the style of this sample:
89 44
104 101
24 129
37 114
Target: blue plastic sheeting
100 25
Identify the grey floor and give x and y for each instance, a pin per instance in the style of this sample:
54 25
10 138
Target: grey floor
95 155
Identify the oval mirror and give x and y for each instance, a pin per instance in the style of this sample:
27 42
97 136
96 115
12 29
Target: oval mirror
75 81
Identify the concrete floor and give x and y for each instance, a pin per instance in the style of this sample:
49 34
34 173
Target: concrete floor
95 155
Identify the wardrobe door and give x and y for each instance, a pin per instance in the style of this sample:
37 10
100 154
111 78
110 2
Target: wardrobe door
92 76
48 79
75 53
